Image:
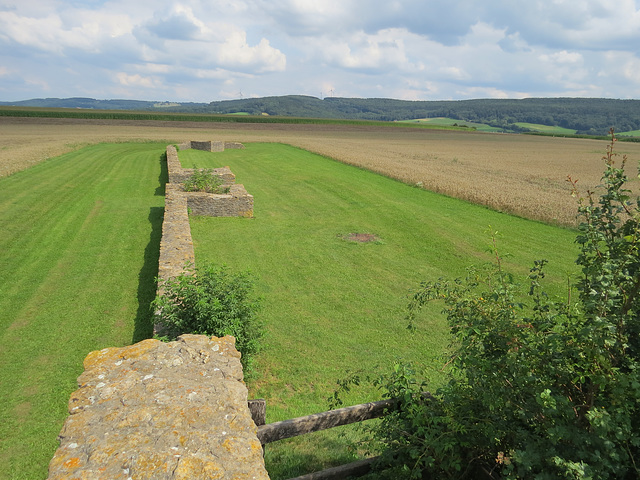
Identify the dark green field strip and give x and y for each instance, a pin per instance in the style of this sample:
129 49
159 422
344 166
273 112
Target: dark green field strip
331 305
78 245
34 112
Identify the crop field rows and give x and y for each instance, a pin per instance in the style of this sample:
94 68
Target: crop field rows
519 174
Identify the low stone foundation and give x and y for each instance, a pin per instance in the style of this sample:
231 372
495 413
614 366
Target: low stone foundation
158 410
177 174
237 203
209 146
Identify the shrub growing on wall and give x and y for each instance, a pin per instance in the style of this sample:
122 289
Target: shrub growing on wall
539 388
204 180
212 301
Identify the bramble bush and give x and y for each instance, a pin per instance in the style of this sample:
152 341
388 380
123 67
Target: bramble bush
212 301
539 388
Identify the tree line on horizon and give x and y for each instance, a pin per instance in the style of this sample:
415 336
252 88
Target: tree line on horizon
587 116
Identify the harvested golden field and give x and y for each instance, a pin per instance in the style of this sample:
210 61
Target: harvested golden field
520 174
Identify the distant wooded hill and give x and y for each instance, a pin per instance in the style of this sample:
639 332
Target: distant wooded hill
591 116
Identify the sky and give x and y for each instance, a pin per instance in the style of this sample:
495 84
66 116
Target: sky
209 50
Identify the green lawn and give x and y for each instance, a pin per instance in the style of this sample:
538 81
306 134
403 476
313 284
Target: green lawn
78 256
79 249
536 127
333 306
632 133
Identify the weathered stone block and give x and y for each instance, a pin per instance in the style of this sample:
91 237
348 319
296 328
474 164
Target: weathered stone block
158 410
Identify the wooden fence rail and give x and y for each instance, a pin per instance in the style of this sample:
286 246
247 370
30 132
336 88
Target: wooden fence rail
272 432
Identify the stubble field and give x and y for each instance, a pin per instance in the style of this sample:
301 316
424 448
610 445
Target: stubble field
519 174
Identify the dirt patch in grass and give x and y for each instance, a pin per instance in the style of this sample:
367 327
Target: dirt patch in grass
361 237
22 410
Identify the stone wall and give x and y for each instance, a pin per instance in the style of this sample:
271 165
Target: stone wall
177 174
176 244
225 173
158 410
209 146
237 203
173 165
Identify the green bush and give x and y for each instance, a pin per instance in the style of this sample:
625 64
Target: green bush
212 301
204 180
539 388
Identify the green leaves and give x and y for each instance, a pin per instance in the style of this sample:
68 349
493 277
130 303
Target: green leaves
204 180
541 388
212 301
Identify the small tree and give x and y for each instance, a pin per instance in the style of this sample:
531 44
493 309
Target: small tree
542 389
212 301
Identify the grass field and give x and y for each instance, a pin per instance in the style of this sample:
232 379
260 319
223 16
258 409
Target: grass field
79 240
529 170
536 127
332 305
632 133
452 122
52 252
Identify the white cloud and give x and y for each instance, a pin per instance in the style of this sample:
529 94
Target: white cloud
562 57
361 51
199 49
631 72
55 34
236 52
136 80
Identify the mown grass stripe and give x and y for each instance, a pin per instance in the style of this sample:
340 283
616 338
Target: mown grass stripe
77 274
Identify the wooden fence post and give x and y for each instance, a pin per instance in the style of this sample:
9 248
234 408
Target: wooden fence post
258 409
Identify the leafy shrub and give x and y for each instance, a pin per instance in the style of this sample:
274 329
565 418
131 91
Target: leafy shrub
211 301
204 180
541 388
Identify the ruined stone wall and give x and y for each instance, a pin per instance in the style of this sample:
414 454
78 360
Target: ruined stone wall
209 146
158 411
173 165
176 244
181 175
225 173
177 174
237 203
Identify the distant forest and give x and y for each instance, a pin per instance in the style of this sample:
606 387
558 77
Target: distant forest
590 116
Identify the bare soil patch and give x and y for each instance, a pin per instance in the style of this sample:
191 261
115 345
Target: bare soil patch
361 237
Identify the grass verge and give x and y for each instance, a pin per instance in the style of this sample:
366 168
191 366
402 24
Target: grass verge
333 305
79 240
